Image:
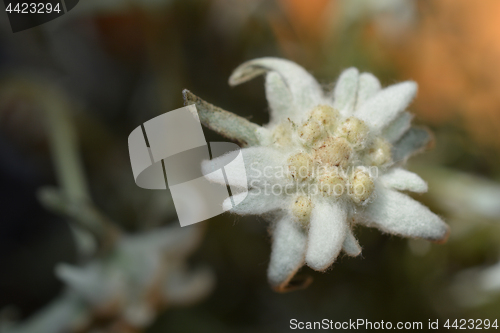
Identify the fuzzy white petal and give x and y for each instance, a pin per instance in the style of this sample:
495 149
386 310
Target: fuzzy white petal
305 91
257 169
288 252
351 246
280 99
413 141
398 214
255 203
88 282
399 126
369 85
236 172
384 107
327 233
403 180
344 94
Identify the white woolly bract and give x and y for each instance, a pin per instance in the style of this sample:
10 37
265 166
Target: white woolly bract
326 234
288 251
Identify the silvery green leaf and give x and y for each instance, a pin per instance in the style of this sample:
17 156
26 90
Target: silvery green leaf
398 127
225 123
413 141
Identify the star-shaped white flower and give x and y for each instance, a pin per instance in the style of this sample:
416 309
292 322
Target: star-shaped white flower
127 288
146 273
324 163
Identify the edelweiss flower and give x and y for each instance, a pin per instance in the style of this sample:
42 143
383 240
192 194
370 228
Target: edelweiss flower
125 290
324 163
143 275
476 286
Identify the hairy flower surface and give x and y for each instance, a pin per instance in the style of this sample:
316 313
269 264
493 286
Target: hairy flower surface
324 163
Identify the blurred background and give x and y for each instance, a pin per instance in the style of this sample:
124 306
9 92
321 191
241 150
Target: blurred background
91 76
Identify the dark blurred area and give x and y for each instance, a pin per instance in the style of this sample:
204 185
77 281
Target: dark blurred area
117 64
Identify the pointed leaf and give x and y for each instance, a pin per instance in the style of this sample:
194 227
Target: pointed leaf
225 123
412 142
398 127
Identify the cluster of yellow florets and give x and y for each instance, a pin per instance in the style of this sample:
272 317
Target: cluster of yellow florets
333 154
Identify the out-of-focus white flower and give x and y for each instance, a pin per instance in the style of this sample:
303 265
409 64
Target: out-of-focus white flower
324 163
145 273
391 17
228 17
128 287
58 316
477 286
463 195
